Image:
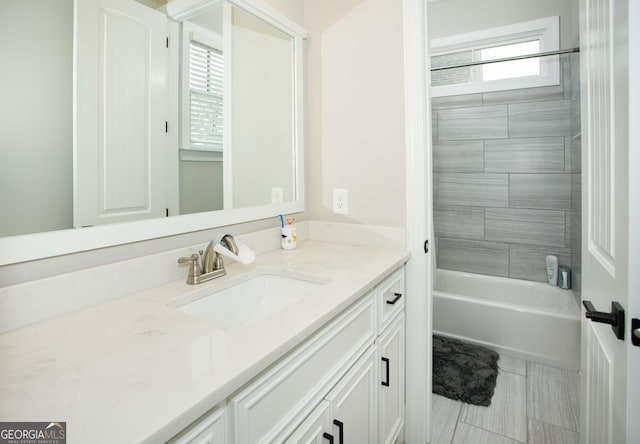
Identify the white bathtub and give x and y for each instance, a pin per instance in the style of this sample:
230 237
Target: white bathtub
528 320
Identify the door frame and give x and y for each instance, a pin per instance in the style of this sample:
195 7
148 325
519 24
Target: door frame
418 221
633 309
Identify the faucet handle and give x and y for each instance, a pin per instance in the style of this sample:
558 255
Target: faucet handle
194 268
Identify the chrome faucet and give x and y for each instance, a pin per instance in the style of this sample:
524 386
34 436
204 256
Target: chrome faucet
212 266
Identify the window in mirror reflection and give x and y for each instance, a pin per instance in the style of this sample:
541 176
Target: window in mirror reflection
201 168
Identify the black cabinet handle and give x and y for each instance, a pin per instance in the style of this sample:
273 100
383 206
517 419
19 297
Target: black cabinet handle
328 436
340 430
394 300
386 383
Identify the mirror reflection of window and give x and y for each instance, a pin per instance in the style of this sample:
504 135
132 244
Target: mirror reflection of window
206 88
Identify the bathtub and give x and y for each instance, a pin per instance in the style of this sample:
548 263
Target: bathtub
528 320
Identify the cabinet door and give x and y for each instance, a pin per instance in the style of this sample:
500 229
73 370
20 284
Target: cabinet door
316 429
390 347
354 402
208 430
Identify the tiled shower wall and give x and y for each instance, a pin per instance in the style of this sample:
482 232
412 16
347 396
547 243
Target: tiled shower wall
504 166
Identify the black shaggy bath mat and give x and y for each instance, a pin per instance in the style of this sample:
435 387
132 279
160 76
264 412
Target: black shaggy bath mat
463 371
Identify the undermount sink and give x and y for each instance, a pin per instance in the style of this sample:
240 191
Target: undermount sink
250 300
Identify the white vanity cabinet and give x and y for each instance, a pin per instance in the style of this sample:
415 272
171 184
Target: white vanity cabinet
210 429
270 409
345 384
349 412
390 347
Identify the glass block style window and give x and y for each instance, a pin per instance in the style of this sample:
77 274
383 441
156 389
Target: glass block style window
518 39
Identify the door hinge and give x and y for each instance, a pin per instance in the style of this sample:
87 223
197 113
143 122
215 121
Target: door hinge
426 246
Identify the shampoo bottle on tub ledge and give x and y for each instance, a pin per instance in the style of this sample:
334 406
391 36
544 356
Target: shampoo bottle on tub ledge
552 270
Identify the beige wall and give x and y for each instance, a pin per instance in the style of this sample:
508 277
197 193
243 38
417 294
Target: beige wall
200 187
449 17
36 42
292 9
354 109
262 117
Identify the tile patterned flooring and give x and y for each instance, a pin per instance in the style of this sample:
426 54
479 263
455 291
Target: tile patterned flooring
532 404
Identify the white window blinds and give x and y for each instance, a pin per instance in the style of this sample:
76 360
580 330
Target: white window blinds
206 86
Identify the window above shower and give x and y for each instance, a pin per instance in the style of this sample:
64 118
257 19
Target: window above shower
464 53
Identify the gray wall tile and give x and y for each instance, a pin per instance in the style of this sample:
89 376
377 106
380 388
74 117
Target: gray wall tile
533 227
528 262
540 119
465 156
464 100
481 257
566 78
479 122
474 190
543 191
459 222
541 93
573 156
434 126
526 137
526 155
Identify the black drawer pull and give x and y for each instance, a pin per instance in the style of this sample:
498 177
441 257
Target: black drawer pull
340 430
328 436
394 300
386 383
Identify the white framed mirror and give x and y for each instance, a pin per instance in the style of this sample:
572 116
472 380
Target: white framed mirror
261 153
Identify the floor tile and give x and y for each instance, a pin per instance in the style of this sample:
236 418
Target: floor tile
468 434
512 365
543 433
507 413
552 396
444 419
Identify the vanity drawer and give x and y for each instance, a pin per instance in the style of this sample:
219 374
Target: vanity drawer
390 298
289 391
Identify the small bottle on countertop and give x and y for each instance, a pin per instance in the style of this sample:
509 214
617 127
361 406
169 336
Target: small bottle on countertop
289 237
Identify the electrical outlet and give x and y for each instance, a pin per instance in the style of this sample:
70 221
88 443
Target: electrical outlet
277 194
340 200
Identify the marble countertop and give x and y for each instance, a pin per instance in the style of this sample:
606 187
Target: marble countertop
136 370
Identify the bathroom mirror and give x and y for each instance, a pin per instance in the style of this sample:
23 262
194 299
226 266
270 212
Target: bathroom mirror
261 154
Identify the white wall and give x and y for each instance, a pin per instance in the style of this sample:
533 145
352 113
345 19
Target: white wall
35 115
449 17
354 104
262 119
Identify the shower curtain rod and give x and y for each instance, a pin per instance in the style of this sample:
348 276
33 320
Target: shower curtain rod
509 59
